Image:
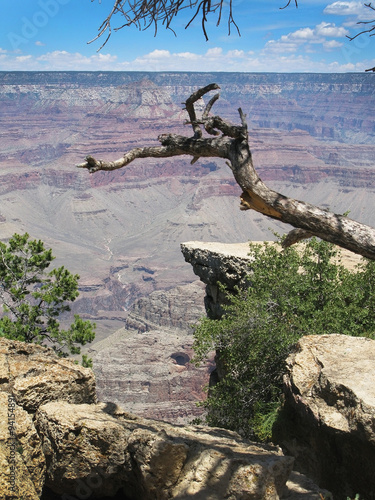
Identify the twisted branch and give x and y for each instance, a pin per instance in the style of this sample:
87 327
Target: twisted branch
232 145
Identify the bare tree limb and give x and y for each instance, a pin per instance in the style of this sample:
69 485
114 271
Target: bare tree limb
368 30
288 3
146 13
295 236
233 147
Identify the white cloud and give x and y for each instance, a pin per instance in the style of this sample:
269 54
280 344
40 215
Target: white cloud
330 30
332 44
301 34
38 43
188 55
236 53
23 59
214 52
157 54
63 60
357 9
215 59
307 37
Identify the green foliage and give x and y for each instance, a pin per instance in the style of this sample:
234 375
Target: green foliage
34 298
86 361
291 293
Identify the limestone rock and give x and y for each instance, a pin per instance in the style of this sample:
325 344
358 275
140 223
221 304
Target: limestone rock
84 448
22 463
330 409
103 449
36 375
225 263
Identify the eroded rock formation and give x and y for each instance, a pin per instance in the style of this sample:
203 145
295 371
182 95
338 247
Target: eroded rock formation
79 448
215 263
329 423
146 366
31 375
152 460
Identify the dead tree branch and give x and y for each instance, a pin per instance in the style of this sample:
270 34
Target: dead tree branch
146 13
370 30
230 142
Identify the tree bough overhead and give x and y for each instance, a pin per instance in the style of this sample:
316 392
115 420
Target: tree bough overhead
146 13
230 142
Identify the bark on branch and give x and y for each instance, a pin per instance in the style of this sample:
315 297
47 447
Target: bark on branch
230 142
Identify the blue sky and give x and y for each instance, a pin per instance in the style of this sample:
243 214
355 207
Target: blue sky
53 34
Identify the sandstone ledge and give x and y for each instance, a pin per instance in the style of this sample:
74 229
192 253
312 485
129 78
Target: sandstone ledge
330 413
91 450
214 263
148 459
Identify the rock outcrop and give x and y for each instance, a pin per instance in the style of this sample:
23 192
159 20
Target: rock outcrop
215 263
329 414
22 462
78 448
35 375
31 375
228 264
100 449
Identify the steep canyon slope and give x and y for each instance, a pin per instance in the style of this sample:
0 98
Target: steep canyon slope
312 137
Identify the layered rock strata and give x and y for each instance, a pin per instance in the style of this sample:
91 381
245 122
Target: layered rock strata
311 137
146 366
217 264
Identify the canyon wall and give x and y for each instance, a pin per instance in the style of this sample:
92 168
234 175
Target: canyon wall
146 365
312 138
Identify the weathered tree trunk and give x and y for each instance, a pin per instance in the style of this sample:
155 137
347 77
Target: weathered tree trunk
231 143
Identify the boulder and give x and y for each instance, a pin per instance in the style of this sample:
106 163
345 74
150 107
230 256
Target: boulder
22 463
99 449
31 375
329 415
35 375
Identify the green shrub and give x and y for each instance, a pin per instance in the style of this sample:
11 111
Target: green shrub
33 298
291 293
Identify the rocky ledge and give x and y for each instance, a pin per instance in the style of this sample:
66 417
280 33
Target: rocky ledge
214 263
57 441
